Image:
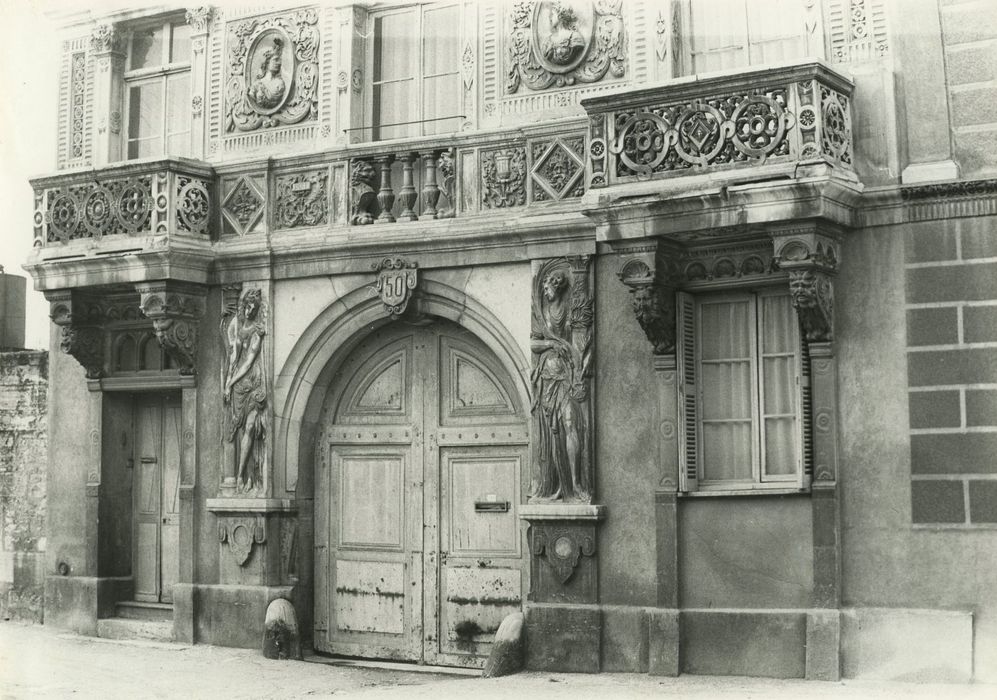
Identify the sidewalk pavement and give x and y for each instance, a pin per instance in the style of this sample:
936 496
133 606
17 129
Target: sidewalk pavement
40 662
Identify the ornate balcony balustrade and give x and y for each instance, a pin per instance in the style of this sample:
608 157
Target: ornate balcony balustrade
406 186
150 198
780 118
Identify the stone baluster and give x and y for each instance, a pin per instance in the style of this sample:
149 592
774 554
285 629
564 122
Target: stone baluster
407 195
386 195
430 190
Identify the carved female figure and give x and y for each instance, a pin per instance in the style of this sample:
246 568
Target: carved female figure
245 390
559 393
267 90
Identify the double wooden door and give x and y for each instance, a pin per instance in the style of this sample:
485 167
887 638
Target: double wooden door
421 460
155 496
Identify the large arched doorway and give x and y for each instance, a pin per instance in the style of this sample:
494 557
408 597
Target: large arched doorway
421 458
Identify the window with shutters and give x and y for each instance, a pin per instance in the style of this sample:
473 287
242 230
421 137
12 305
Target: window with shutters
745 392
157 89
415 71
723 34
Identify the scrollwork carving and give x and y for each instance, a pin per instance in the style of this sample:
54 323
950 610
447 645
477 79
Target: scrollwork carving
561 42
272 71
82 322
503 176
302 199
561 342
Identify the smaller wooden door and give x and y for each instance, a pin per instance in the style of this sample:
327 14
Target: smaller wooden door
156 507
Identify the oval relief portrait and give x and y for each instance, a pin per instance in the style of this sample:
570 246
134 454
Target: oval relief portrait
269 71
562 33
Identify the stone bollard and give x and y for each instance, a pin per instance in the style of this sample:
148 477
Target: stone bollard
281 639
507 655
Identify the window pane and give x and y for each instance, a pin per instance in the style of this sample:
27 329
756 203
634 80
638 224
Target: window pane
725 330
395 50
719 34
727 451
779 347
775 30
780 446
178 114
726 390
180 43
393 104
147 48
441 52
441 98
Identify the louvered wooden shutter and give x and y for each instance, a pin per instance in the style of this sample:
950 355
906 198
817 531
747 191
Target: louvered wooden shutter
685 351
805 416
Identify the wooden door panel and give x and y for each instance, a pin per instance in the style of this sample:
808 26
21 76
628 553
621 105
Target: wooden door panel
474 387
372 494
479 480
370 596
378 384
147 495
170 515
475 601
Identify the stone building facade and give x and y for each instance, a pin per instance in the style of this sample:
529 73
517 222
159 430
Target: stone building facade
669 324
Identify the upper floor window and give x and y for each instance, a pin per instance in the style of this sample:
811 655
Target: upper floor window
415 69
745 391
738 33
157 90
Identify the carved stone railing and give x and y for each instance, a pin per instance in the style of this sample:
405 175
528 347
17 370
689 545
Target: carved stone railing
149 198
782 118
407 185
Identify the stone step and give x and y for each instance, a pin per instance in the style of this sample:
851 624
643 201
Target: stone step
138 610
124 628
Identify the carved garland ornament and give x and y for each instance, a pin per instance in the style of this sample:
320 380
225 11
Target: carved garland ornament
561 42
272 71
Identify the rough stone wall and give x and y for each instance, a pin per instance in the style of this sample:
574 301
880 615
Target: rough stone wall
23 457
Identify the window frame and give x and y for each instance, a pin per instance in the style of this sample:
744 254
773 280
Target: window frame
692 472
370 119
149 75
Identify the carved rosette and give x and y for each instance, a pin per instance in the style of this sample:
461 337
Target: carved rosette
811 259
561 340
653 304
557 43
503 177
272 74
561 548
302 199
82 323
241 534
175 311
396 280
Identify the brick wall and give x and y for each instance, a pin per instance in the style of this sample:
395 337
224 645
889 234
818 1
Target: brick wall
23 457
951 294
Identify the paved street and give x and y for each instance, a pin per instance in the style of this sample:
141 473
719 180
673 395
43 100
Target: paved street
38 662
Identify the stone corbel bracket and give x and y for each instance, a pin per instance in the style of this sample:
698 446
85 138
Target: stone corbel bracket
241 534
175 310
649 275
82 323
810 255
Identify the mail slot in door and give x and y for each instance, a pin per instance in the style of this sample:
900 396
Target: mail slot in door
490 503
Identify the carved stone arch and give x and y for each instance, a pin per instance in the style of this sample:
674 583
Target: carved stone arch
307 373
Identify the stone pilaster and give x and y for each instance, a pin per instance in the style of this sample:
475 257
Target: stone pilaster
108 46
200 20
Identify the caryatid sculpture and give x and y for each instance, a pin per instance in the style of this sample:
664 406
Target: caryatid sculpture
245 392
561 341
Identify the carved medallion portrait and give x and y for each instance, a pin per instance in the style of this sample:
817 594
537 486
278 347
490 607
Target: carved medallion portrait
562 33
272 74
269 71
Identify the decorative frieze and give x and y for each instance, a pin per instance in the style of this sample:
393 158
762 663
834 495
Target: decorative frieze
797 114
503 177
272 71
552 43
301 199
562 345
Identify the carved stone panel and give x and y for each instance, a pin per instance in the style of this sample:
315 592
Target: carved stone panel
563 561
301 199
503 177
562 348
558 168
243 204
557 43
240 534
272 73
